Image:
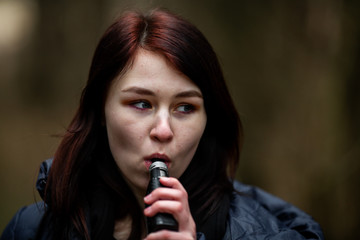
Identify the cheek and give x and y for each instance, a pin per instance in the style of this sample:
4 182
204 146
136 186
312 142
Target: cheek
193 132
123 134
189 140
187 145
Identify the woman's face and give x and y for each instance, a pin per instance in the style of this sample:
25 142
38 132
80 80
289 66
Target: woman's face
153 111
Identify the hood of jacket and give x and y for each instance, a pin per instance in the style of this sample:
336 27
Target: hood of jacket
43 176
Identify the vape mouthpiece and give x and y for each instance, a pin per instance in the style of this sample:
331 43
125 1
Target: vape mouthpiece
158 163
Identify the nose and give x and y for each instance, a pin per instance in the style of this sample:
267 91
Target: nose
162 131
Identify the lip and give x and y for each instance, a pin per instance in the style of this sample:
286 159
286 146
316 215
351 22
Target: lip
148 159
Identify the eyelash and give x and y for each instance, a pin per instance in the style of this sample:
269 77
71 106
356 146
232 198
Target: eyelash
136 105
189 108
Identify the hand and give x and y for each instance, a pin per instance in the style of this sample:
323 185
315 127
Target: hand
173 200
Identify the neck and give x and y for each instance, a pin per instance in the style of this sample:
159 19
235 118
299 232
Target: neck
139 194
140 198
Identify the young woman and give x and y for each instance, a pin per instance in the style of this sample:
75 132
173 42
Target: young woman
155 90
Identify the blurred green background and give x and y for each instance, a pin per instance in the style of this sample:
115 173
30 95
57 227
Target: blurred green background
292 68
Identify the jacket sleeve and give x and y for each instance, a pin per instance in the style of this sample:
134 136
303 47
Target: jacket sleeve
9 231
25 223
292 218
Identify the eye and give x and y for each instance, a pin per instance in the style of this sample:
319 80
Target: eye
185 108
141 104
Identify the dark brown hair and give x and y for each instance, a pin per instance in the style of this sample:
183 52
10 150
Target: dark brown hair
84 178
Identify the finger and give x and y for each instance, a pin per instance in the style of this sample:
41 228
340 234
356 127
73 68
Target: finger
178 210
164 194
172 183
165 234
165 206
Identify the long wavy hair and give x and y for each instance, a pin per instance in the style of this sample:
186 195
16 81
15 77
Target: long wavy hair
85 191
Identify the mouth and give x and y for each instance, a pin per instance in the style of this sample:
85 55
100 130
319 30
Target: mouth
156 157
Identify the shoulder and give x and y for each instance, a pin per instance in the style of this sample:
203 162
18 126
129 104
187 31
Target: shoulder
25 223
256 214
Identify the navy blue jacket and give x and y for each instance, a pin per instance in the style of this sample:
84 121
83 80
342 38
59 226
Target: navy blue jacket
253 215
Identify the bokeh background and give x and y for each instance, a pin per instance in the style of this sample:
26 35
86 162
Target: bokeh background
292 68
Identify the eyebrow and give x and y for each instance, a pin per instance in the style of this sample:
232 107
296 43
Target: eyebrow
190 93
144 91
139 90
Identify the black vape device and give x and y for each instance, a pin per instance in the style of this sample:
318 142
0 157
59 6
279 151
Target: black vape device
161 220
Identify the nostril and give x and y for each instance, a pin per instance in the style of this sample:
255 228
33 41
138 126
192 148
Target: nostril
161 134
162 129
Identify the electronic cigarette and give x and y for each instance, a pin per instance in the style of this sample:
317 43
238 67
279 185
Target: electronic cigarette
161 220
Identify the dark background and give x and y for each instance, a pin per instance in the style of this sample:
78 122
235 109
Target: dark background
292 68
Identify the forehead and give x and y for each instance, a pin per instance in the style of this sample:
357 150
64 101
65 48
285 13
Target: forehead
152 70
150 64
